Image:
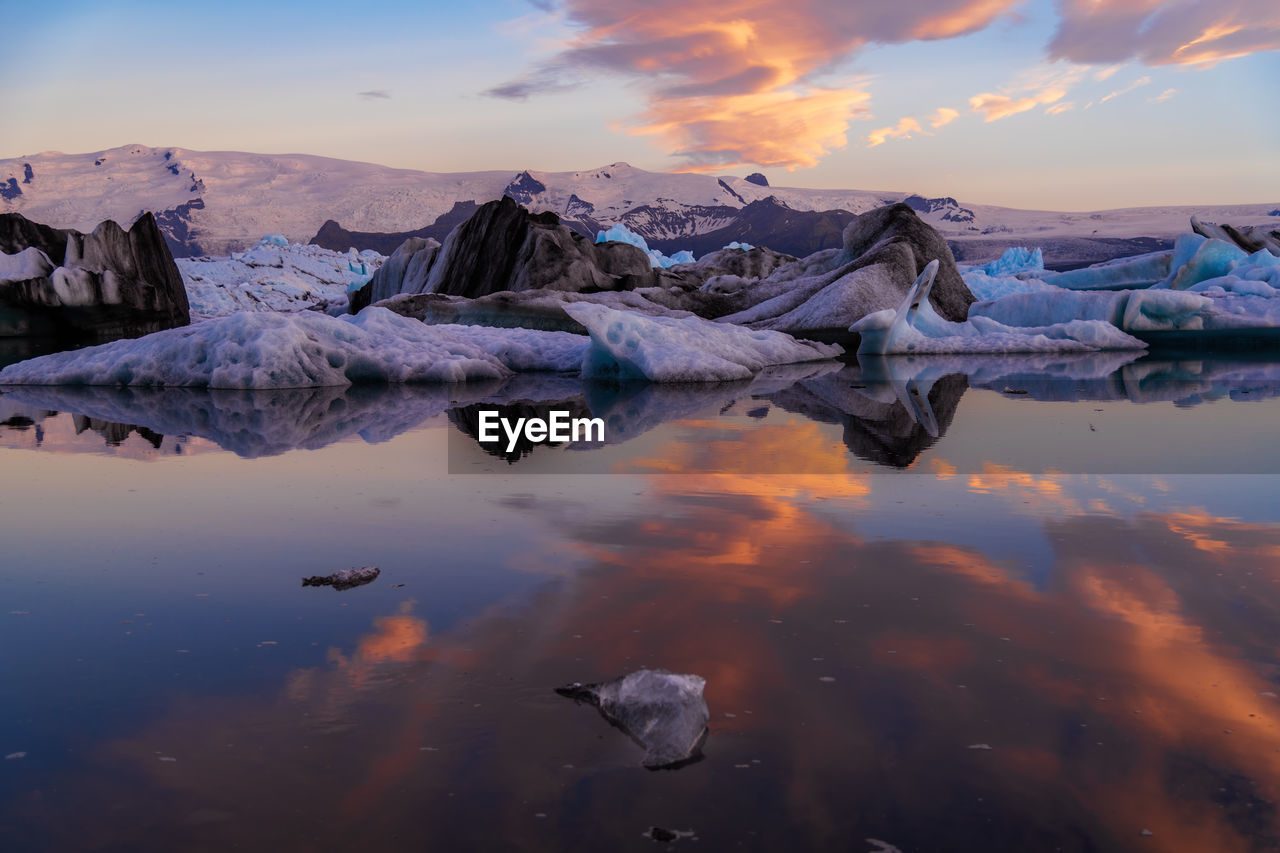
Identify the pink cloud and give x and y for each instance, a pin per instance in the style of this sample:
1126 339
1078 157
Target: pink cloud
1161 32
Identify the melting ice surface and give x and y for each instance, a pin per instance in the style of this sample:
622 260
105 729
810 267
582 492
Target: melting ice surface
1067 558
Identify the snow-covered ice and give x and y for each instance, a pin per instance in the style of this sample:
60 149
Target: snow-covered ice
663 712
305 349
275 275
682 349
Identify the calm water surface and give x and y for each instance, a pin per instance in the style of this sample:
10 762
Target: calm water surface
940 605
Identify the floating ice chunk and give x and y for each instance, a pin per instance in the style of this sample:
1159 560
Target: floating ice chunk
622 234
663 712
683 349
345 579
1152 310
305 349
915 327
746 247
1015 260
275 240
986 287
1210 259
1119 274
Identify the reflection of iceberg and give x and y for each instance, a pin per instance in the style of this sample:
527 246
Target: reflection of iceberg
259 423
663 712
628 409
888 419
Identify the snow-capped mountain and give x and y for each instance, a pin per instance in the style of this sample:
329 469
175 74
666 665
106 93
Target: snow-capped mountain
222 201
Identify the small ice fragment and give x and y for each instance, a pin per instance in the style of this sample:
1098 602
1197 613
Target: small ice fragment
882 846
1146 832
268 643
661 711
1268 694
19 613
979 746
826 678
167 758
345 579
14 756
428 749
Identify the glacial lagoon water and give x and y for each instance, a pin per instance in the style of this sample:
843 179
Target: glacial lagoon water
947 604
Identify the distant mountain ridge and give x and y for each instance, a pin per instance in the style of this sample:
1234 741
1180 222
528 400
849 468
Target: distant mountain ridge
219 202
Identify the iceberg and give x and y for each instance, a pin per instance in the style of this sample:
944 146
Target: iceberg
301 350
622 234
682 349
662 712
275 275
915 327
1015 260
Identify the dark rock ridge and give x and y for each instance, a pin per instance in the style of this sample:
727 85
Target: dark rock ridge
524 188
503 247
951 209
698 228
768 222
757 179
336 238
101 286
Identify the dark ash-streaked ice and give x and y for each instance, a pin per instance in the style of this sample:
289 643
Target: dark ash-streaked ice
663 712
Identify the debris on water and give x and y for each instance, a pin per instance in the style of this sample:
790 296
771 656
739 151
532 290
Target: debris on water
345 579
661 711
1146 832
167 758
979 746
667 836
14 756
1008 390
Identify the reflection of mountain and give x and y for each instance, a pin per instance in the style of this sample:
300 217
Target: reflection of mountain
889 423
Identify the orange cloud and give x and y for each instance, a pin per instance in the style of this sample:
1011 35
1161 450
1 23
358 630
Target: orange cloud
944 115
902 130
1002 106
735 82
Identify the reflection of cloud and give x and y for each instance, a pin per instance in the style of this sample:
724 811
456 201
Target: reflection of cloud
902 130
1189 32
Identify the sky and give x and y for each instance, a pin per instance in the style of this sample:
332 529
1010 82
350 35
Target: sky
1046 104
